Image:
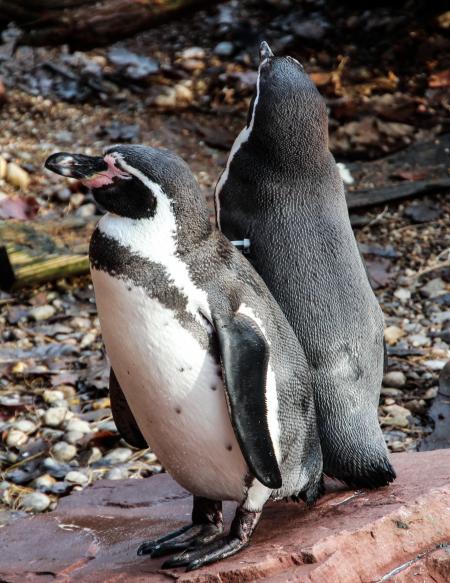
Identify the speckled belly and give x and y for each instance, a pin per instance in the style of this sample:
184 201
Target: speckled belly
173 388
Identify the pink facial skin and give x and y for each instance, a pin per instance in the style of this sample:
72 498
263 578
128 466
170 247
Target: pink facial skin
104 178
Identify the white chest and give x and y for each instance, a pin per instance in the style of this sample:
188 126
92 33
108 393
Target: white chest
173 388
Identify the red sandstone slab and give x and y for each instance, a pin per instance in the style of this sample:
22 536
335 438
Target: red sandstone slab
349 537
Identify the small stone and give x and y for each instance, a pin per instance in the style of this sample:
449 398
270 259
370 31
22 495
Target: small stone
193 53
16 438
44 482
77 199
78 425
17 176
64 452
63 194
430 393
224 49
395 379
73 436
61 488
119 455
419 340
87 340
192 65
167 99
434 364
392 334
441 317
55 468
51 397
183 94
402 294
444 20
24 425
55 416
35 502
19 476
42 312
391 392
433 288
76 478
86 210
117 473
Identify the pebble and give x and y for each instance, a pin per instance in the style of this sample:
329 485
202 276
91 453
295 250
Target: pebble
398 416
86 210
78 425
87 340
433 288
166 99
55 468
25 425
434 364
441 317
117 473
73 436
64 452
17 176
76 477
183 94
119 455
16 438
193 53
44 482
402 294
395 379
35 502
55 416
391 392
419 340
224 49
42 312
50 396
63 194
392 334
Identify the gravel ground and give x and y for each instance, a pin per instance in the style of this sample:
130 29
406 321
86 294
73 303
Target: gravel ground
55 418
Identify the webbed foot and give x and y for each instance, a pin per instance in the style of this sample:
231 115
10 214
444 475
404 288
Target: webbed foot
207 525
242 527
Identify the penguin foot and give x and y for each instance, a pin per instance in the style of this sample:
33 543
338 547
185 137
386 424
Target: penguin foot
207 524
191 537
242 527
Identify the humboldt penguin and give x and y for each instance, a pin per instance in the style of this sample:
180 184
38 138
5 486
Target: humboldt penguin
281 198
207 370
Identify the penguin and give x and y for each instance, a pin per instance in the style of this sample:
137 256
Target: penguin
206 368
281 199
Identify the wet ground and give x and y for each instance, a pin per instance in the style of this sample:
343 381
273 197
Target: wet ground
186 86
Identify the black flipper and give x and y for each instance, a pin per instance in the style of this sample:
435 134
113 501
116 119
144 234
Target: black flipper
244 355
123 417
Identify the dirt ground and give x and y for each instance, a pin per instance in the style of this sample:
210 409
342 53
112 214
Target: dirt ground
186 85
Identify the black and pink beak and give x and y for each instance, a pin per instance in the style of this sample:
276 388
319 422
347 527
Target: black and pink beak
76 165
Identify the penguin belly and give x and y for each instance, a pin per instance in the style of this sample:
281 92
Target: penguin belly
173 387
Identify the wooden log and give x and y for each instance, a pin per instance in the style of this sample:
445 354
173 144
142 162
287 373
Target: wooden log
37 252
378 196
83 23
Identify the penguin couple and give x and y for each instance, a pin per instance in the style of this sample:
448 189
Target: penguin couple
242 396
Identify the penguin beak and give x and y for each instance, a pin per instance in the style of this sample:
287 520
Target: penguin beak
76 165
265 52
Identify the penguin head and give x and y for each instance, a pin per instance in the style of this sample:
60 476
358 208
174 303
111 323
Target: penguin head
287 110
137 182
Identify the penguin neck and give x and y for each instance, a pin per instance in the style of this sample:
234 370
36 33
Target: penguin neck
155 238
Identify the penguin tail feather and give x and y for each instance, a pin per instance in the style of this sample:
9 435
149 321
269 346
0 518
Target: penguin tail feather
374 476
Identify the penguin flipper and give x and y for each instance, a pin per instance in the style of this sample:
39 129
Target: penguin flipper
123 417
244 355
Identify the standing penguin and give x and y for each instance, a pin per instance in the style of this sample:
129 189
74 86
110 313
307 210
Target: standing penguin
213 375
282 197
